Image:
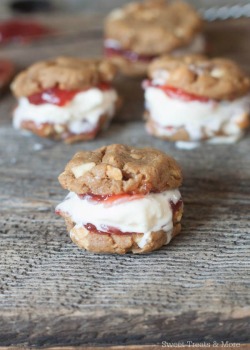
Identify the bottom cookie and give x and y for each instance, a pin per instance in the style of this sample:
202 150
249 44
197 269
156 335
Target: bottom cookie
182 134
136 243
61 131
133 64
121 244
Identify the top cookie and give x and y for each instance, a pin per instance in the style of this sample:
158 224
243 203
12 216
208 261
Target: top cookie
153 27
66 73
217 78
117 169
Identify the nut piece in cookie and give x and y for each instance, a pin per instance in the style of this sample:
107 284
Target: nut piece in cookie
140 32
194 98
69 99
122 199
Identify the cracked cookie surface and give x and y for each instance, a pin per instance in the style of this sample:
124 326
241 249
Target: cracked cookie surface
153 26
217 78
117 169
66 73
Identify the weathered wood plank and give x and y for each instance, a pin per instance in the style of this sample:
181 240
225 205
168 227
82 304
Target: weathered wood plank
237 346
53 294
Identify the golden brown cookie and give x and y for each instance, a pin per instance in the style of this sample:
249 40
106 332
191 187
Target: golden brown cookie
182 134
123 199
119 169
153 27
120 244
66 98
216 78
141 31
62 132
66 73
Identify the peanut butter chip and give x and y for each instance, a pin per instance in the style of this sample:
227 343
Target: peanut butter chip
114 173
136 156
217 73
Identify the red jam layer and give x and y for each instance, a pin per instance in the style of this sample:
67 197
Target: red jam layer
111 198
22 31
129 55
53 96
176 93
59 97
107 230
58 212
176 206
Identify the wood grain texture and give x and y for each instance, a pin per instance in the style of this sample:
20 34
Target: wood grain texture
223 345
53 294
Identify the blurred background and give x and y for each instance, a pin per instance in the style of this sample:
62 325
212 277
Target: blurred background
75 27
210 9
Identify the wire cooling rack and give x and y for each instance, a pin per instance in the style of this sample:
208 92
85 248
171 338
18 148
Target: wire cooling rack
210 9
222 9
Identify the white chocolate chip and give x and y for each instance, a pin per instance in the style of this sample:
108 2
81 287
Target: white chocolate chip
114 173
80 170
58 128
160 76
179 32
217 73
116 14
136 156
199 70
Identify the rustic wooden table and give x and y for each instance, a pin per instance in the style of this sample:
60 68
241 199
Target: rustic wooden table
195 289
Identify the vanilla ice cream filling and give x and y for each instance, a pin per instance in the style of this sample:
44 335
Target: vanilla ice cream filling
197 118
147 214
81 114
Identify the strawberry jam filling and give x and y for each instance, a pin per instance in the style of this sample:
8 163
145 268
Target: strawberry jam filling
108 199
176 93
176 206
59 97
107 230
22 31
129 55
